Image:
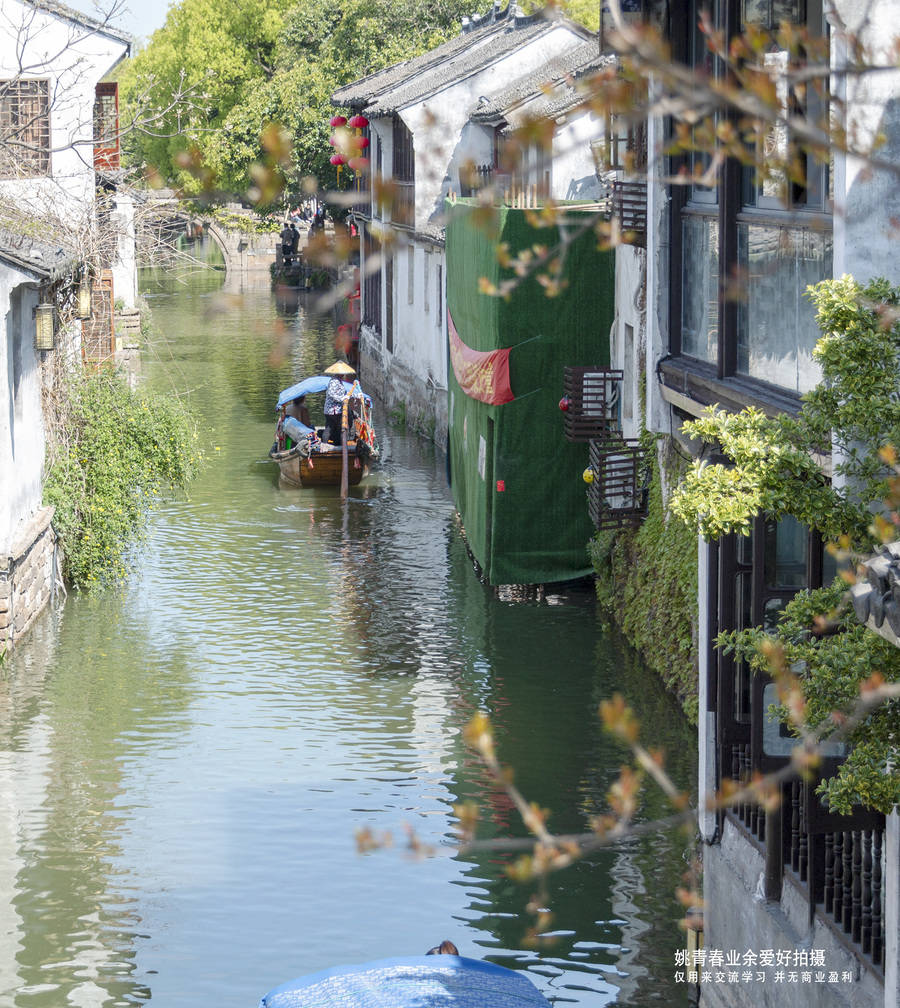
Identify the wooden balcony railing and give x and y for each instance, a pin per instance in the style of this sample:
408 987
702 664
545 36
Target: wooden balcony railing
617 496
593 394
628 207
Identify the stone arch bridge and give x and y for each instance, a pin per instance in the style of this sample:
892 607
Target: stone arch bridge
245 251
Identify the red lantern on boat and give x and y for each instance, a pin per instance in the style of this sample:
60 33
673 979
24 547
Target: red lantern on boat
358 122
337 121
565 403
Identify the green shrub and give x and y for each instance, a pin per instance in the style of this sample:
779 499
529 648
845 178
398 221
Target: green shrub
113 452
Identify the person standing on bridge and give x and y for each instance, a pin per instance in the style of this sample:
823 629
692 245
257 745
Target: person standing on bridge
287 244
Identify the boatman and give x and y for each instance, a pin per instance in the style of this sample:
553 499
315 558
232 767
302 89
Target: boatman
335 394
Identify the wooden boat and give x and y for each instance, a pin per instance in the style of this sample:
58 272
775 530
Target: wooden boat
321 466
305 459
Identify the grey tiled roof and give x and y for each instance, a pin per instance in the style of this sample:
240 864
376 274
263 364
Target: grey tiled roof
432 231
361 92
68 14
402 84
47 261
572 64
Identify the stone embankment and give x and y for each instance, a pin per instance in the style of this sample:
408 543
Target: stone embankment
29 575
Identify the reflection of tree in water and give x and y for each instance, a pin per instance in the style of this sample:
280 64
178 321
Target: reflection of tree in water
546 669
64 753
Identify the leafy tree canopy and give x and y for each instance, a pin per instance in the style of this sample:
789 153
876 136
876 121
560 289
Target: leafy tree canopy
208 57
272 66
854 413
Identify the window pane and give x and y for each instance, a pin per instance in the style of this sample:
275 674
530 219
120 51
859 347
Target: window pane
777 328
744 549
787 544
700 305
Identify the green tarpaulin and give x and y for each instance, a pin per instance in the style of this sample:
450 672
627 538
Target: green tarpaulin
517 482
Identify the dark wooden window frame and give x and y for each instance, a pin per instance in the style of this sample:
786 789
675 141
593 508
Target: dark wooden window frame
24 127
701 381
403 175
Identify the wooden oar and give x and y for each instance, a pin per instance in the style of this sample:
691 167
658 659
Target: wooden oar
344 475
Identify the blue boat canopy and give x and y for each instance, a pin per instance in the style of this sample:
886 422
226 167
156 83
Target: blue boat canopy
309 386
426 981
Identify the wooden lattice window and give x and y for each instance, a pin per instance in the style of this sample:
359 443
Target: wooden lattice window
106 126
24 128
593 394
97 332
617 497
403 175
371 281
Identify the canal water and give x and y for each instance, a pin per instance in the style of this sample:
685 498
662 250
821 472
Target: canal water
186 762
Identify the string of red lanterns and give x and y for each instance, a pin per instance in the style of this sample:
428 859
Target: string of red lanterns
349 145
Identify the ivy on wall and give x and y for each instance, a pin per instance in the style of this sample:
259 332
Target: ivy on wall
647 581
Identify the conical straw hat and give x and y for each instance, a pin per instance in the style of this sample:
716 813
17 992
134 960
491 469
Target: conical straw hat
339 367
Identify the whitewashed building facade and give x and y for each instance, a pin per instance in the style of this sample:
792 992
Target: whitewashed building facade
422 140
52 60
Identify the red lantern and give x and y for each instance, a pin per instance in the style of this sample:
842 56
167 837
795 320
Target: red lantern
565 403
337 159
331 140
359 142
358 122
337 121
358 164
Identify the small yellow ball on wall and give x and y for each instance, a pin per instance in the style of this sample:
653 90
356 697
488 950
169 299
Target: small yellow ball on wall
588 475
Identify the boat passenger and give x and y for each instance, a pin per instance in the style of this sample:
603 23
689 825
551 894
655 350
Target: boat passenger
445 948
298 409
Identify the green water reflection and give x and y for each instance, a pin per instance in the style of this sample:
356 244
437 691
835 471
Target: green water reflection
186 761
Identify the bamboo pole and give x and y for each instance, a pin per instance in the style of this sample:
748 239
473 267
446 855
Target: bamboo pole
344 460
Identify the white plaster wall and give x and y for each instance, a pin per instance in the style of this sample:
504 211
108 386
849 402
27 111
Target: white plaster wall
21 423
124 267
416 370
437 124
35 44
573 172
865 242
658 412
628 354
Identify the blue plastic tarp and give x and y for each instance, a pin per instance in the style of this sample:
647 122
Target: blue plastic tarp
309 386
429 981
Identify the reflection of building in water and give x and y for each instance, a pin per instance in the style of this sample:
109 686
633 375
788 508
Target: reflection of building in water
61 908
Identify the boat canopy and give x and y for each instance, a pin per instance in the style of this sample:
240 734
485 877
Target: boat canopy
410 982
309 386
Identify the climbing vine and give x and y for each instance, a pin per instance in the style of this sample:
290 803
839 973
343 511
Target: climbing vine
774 468
113 451
647 579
